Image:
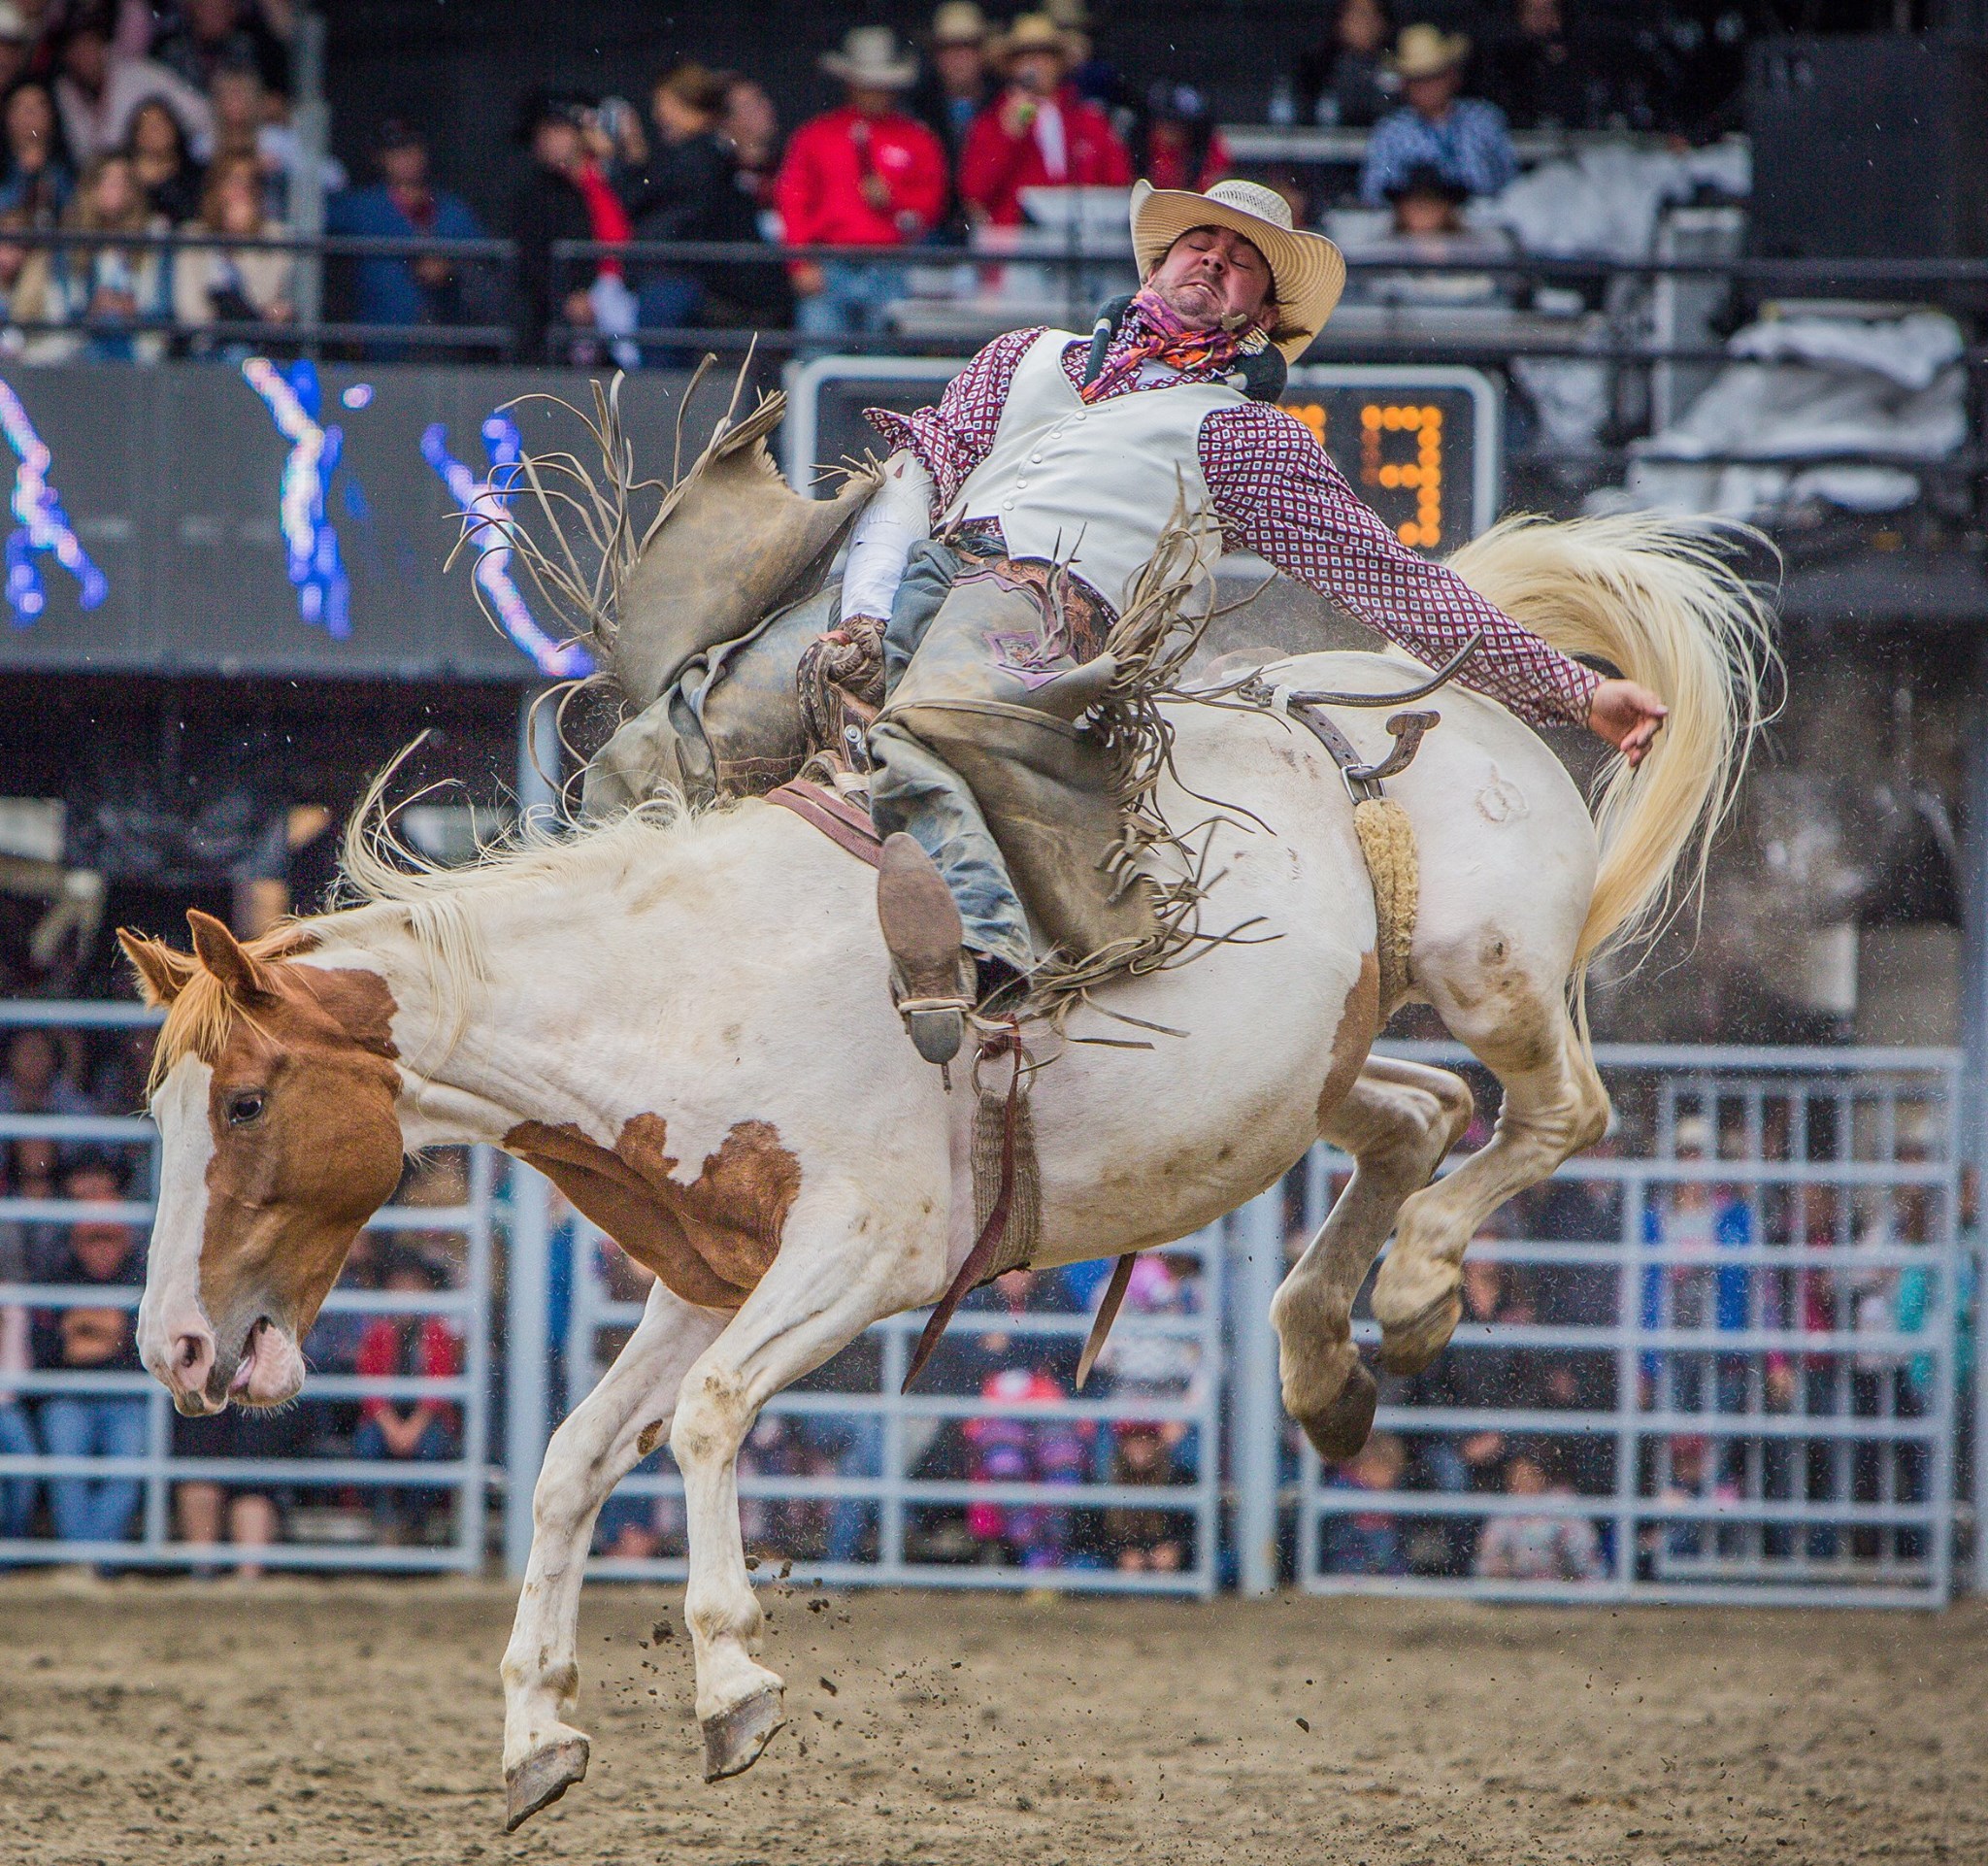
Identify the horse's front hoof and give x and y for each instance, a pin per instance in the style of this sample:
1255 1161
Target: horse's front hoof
1337 1431
540 1779
734 1739
1410 1347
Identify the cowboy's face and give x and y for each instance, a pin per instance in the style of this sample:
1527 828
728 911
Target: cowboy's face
1213 276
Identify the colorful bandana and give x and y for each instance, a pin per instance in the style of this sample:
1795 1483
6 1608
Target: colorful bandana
1152 332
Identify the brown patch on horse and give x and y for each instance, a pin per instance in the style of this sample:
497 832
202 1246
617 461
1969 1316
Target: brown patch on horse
1359 1025
290 1188
710 1240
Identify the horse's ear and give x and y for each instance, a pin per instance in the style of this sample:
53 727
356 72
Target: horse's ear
162 973
241 975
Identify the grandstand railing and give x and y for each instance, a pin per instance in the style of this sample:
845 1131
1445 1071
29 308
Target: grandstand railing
1645 334
340 1539
495 261
1765 1413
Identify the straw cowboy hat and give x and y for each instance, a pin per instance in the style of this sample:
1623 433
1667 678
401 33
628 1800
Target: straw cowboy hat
1306 271
869 56
1425 51
959 23
1033 32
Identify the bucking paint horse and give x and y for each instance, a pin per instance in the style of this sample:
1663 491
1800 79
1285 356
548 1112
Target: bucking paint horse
681 1015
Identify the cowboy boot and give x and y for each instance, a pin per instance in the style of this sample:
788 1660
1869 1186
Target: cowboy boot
930 976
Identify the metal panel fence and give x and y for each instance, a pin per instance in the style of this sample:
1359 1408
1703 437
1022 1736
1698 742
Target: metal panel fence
94 1466
992 1472
1714 1359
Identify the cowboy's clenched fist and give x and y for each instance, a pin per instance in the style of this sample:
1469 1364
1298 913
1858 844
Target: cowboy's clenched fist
1627 715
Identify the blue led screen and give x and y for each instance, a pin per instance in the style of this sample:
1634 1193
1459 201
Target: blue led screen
272 516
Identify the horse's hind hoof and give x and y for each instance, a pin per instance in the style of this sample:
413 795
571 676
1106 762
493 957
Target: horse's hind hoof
540 1779
1337 1431
1410 1347
734 1739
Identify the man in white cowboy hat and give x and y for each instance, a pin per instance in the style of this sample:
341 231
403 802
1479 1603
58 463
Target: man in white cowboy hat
1039 132
863 174
1463 138
1015 519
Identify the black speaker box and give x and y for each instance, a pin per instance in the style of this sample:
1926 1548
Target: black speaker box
1868 148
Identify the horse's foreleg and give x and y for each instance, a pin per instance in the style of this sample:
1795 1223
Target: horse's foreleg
1398 1122
611 1431
834 1276
1555 1105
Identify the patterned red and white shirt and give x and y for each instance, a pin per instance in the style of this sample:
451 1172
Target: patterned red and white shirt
1278 492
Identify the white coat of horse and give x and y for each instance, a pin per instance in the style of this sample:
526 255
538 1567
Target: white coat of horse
687 1015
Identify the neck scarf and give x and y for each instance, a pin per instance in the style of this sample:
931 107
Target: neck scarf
1152 332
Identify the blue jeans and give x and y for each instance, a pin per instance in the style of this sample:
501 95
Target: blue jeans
854 300
912 788
93 1425
16 1494
404 1506
665 300
856 1440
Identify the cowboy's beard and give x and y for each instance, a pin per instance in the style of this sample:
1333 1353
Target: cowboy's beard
1200 305
1197 302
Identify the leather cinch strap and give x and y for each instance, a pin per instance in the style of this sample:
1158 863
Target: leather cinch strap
840 820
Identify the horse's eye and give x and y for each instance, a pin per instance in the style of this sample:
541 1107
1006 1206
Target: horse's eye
243 1109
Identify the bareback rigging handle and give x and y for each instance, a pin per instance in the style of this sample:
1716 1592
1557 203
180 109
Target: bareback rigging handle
1442 676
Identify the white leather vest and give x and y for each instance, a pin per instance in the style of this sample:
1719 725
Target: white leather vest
1094 486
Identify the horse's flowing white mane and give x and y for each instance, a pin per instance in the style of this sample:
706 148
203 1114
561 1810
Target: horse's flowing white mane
445 910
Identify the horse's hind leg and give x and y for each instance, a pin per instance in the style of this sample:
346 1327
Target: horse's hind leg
1398 1121
1555 1105
833 1276
605 1437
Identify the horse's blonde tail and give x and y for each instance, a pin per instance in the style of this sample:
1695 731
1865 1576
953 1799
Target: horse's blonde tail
1656 596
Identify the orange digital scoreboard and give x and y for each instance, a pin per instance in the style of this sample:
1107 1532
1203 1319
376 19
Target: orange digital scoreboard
1419 445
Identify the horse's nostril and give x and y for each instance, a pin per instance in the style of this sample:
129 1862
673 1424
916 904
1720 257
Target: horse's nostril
193 1355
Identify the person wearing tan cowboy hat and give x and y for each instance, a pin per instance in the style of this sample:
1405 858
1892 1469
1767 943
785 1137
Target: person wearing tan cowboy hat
957 81
1039 132
1014 520
864 175
1463 138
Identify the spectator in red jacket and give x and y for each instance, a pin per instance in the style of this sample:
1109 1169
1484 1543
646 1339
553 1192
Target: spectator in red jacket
1039 132
866 175
418 1431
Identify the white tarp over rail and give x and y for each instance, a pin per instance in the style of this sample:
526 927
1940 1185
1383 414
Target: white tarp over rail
1604 203
1806 388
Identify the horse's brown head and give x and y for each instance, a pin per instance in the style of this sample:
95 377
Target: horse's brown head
274 1087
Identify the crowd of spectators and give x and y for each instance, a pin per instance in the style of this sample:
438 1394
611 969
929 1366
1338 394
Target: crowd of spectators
120 117
1697 1457
129 120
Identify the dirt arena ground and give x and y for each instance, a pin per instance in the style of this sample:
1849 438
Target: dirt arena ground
298 1722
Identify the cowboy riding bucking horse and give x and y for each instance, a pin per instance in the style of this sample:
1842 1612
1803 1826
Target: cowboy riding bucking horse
1015 519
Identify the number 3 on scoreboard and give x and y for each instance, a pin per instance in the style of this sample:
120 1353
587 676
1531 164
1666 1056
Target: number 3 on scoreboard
1422 474
1410 465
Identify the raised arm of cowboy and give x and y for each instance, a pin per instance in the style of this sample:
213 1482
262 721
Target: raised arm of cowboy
1273 488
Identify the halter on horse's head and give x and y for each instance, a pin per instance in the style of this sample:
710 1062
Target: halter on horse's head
274 1086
